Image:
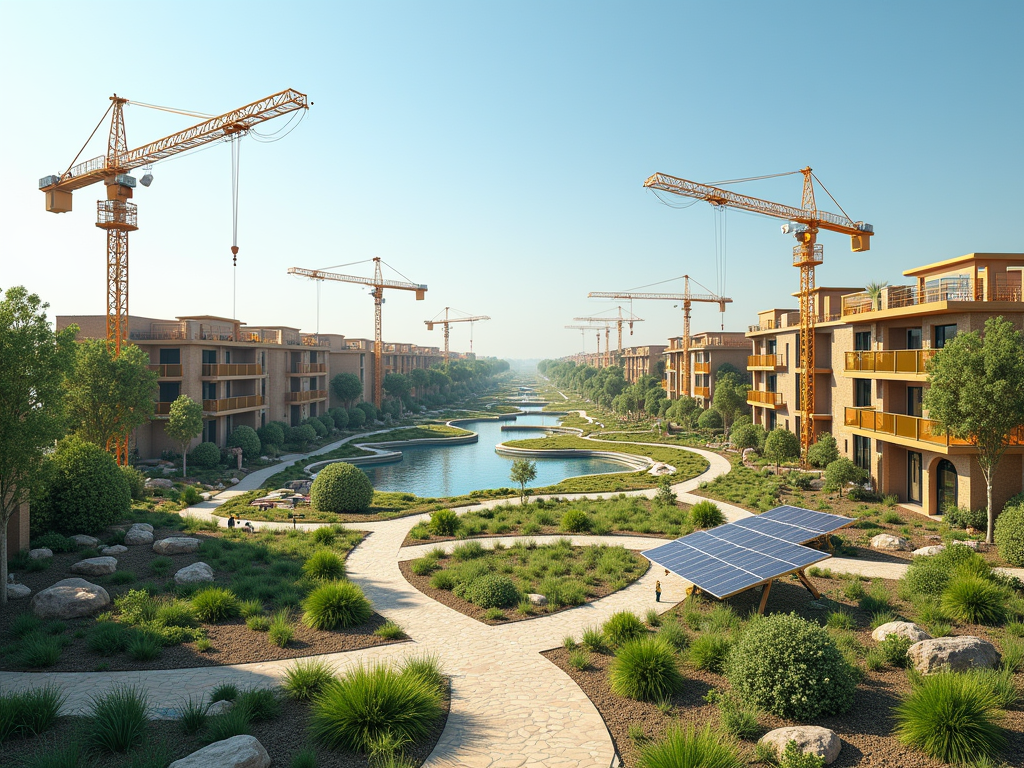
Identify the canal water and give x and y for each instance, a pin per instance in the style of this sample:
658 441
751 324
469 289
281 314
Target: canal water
439 471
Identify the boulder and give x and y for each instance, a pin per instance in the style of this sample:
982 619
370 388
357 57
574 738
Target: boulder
117 549
177 545
809 738
932 550
143 526
904 629
969 543
95 566
70 599
40 554
888 541
193 574
17 591
219 707
85 541
236 752
159 482
955 653
536 599
137 536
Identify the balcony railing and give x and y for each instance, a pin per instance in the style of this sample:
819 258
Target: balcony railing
909 427
165 335
791 320
232 403
162 409
890 361
166 371
760 397
307 396
702 367
704 392
232 369
951 288
766 361
315 341
309 368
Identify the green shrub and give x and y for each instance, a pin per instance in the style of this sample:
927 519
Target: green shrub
224 692
563 591
177 613
389 630
840 620
250 608
246 438
738 719
204 456
952 717
161 566
336 604
894 650
280 630
444 522
690 748
324 564
370 702
575 521
579 659
190 496
621 627
55 542
931 575
747 436
136 482
794 757
25 624
307 679
325 535
709 652
234 722
29 713
494 590
593 639
271 434
710 419
1009 534
965 517
824 451
792 668
356 418
261 704
108 638
706 514
301 435
468 551
974 600
674 635
1002 684
258 623
427 668
442 580
82 489
341 487
423 566
305 758
144 646
645 669
119 719
213 604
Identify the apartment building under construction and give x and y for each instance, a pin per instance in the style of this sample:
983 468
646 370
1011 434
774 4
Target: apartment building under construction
708 352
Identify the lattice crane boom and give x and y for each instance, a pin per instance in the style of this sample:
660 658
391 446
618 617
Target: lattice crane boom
806 255
446 321
378 283
583 331
618 321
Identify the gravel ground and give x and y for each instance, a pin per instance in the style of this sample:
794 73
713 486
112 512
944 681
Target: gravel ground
865 730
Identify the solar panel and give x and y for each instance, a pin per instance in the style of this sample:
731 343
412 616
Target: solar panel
820 522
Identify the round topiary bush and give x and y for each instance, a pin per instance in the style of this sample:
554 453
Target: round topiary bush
575 521
327 420
1009 535
710 419
356 418
341 487
340 416
204 456
494 590
645 669
302 434
317 425
336 604
369 410
84 489
792 668
271 434
443 522
706 514
246 438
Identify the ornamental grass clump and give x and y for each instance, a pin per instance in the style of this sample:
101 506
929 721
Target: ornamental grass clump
792 668
932 574
214 604
29 713
952 717
119 719
706 514
709 651
645 669
622 627
336 604
974 600
307 679
443 522
323 565
690 748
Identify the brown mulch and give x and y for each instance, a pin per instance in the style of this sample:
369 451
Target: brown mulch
283 738
865 730
232 642
516 532
448 598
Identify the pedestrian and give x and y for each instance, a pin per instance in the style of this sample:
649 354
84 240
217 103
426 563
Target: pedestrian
231 521
248 527
657 591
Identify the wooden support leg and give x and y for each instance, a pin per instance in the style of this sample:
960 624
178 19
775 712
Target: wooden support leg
807 583
764 595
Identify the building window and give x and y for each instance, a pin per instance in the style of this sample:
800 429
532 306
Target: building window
771 382
945 487
209 390
170 357
914 395
169 390
209 357
913 338
944 333
772 420
862 393
799 392
862 341
914 477
862 452
210 431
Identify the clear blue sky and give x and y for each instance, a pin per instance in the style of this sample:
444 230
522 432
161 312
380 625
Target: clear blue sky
496 152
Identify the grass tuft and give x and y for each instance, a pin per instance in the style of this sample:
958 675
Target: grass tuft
336 604
690 748
307 679
645 669
119 719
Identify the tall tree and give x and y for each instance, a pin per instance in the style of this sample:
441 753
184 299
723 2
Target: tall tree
347 387
108 396
397 385
977 394
184 424
523 471
730 396
34 362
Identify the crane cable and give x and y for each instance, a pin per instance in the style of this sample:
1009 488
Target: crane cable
236 156
72 164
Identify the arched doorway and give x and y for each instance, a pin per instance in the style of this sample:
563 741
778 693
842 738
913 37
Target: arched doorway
945 486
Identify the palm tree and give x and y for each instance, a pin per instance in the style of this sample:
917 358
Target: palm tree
874 290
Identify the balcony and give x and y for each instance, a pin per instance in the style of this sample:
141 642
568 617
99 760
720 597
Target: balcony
165 371
315 341
765 399
792 320
910 363
765 362
704 392
958 288
704 368
911 430
162 409
233 403
306 368
306 397
217 370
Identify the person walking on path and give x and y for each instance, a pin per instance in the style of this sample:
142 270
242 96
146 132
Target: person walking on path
657 591
231 521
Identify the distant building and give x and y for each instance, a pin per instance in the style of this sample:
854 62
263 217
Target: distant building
708 352
642 361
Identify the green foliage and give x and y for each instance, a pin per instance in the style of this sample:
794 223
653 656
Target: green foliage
280 631
674 635
690 748
575 521
258 623
234 722
579 659
271 434
301 435
136 606
346 387
316 424
523 472
324 564
55 542
369 410
781 445
246 438
931 575
444 522
665 495
824 451
645 669
184 424
710 419
336 604
841 472
794 757
119 718
108 638
792 668
356 418
341 487
307 679
593 639
192 715
340 416
260 704
305 758
213 604
748 436
974 600
371 702
894 650
709 651
427 668
493 591
224 692
29 713
621 627
205 456
136 482
1009 534
738 719
965 517
952 717
389 630
144 646
706 514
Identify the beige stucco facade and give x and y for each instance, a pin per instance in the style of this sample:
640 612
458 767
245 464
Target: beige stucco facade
708 352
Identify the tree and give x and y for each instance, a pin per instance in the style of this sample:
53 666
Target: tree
781 445
976 394
748 436
110 396
184 424
874 292
346 387
730 396
245 438
841 472
34 362
420 379
397 386
823 452
710 419
523 471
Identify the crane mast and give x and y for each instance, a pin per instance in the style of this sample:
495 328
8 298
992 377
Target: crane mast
618 321
446 321
807 254
583 330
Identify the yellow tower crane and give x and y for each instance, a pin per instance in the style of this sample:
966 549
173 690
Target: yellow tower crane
446 321
687 298
583 332
617 321
378 283
804 223
118 216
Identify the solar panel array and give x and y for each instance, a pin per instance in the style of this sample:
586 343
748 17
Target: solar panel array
739 555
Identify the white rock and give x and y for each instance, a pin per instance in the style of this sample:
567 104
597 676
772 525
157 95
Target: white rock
955 653
810 738
220 707
117 549
536 599
969 543
40 554
193 574
70 599
905 629
143 526
888 541
17 591
85 541
236 752
138 536
95 566
234 481
159 482
932 550
177 545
